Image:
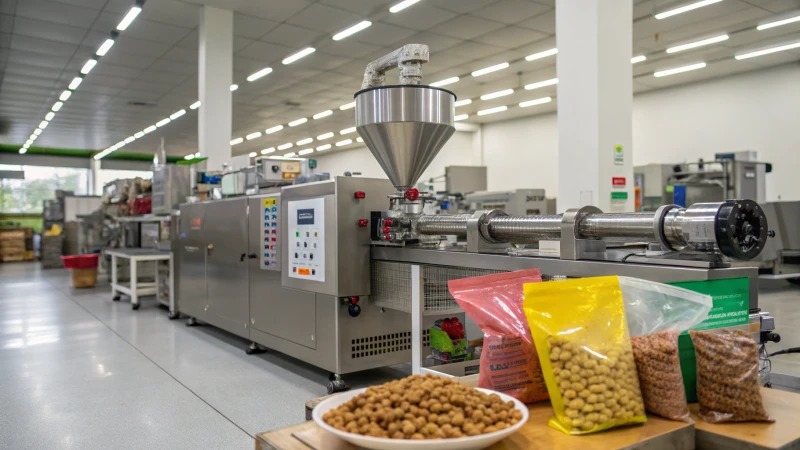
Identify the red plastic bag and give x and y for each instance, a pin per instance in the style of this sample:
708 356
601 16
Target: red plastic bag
509 362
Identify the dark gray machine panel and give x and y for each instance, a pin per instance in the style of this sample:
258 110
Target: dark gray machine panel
289 314
191 257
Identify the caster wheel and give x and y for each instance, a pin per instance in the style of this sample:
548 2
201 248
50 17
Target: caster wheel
332 376
135 306
191 322
174 315
254 349
116 298
768 385
337 386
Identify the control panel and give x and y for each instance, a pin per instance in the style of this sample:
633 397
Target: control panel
306 239
270 255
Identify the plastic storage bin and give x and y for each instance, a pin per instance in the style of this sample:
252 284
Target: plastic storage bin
84 269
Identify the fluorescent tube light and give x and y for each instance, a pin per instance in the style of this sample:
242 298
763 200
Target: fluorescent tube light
105 47
88 66
43 124
126 21
252 136
290 155
163 122
323 147
150 129
490 69
486 112
237 141
344 142
322 114
638 59
402 5
538 101
195 105
359 139
23 150
541 55
75 83
713 40
285 146
34 137
197 154
778 23
37 131
234 87
49 116
348 130
347 106
190 156
57 106
297 122
352 30
304 141
129 139
260 74
29 142
252 154
445 82
497 94
292 58
274 129
768 51
685 8
541 84
324 136
306 151
65 95
461 117
664 73
138 134
462 103
177 114
267 150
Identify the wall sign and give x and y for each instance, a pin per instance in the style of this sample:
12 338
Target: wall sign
618 182
619 155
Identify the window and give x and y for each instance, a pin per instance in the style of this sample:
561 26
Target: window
40 183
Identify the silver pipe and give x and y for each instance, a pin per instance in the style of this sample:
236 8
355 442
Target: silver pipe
450 225
522 229
630 226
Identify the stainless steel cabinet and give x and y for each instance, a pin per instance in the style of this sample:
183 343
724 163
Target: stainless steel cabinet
191 248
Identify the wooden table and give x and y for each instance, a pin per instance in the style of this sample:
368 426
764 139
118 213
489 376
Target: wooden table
783 434
657 433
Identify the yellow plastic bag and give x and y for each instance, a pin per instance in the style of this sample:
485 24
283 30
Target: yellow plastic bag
581 335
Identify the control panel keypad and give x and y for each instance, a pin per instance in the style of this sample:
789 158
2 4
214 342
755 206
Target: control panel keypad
270 255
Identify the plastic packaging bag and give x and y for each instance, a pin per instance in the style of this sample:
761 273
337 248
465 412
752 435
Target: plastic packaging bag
727 376
581 336
656 314
509 362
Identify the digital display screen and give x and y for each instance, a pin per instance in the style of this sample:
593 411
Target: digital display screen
305 217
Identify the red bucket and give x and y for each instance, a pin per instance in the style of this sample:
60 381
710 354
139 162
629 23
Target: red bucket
80 261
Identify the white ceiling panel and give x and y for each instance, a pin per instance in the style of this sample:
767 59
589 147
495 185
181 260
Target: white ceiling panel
421 17
467 27
461 6
158 32
543 23
126 44
510 37
248 26
325 18
291 36
263 51
511 11
366 7
170 12
383 34
55 12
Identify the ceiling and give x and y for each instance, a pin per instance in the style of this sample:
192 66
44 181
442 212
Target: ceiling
151 71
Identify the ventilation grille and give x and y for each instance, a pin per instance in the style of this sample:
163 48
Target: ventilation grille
379 345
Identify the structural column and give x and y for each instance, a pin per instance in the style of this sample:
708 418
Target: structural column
595 94
214 81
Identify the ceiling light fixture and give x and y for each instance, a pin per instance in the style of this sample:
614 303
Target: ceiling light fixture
713 40
129 139
290 155
348 130
138 134
64 95
285 146
177 114
445 82
37 131
352 30
75 83
252 154
306 151
190 156
685 8
252 136
237 141
163 122
541 55
778 23
105 47
304 52
49 116
402 5
490 69
322 148
462 103
297 122
126 21
461 117
638 59
486 112
497 94
359 139
267 150
274 129
304 141
260 74
29 142
767 51
538 101
88 66
322 114
33 137
57 106
195 105
43 124
234 87
667 72
23 150
344 142
347 106
150 129
541 84
324 136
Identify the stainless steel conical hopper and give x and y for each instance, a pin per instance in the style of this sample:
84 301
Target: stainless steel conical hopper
405 127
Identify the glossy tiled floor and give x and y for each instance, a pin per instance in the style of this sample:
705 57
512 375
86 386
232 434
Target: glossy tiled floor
80 371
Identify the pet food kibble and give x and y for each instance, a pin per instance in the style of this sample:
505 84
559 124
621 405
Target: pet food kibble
659 367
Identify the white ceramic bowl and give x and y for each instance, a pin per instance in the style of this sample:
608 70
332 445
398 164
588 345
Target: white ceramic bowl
464 443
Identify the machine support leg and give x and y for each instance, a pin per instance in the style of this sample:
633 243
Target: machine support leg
134 293
115 296
191 322
417 295
255 349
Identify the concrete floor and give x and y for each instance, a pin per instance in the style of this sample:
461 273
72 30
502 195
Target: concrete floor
80 371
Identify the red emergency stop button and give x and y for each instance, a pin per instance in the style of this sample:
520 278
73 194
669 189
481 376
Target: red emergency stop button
388 222
385 229
363 222
360 195
412 194
387 237
353 300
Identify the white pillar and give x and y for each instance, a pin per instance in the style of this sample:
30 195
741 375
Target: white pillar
96 187
595 95
215 78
